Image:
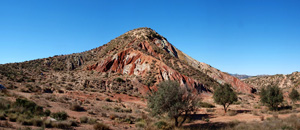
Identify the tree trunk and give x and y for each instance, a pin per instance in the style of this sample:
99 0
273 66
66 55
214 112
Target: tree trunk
176 121
184 119
225 109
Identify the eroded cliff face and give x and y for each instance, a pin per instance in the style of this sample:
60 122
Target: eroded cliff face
135 63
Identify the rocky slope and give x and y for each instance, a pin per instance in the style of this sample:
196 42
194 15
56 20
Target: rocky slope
133 63
283 81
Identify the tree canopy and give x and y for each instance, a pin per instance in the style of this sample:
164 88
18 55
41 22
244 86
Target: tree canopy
271 96
172 100
224 96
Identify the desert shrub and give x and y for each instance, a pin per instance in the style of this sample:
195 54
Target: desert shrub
84 119
161 124
140 124
37 121
88 120
294 95
60 115
4 104
100 126
205 105
76 107
12 117
74 123
62 124
92 121
224 96
48 124
119 80
47 112
108 100
25 106
271 96
2 115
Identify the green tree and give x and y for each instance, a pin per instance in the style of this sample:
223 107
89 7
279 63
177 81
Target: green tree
224 96
271 96
294 95
172 100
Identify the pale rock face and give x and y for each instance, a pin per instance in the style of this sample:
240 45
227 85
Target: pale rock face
127 69
140 68
165 75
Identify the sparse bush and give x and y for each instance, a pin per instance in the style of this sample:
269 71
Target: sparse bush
47 112
2 116
84 119
60 115
12 117
100 126
76 107
108 100
161 124
62 124
37 122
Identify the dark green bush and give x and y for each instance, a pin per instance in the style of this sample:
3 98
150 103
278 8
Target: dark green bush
60 115
25 106
76 107
47 112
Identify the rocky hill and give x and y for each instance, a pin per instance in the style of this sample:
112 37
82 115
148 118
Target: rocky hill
241 76
133 63
283 81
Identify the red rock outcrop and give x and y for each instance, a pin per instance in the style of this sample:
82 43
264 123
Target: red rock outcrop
133 62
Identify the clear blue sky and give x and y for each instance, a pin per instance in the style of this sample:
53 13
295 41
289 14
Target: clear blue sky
237 36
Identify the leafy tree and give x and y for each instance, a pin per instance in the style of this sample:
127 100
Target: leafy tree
272 96
294 95
225 96
172 100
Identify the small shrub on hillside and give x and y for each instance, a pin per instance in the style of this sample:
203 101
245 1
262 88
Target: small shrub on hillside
61 124
2 116
60 115
161 125
47 112
25 106
84 119
76 107
100 126
108 100
12 117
